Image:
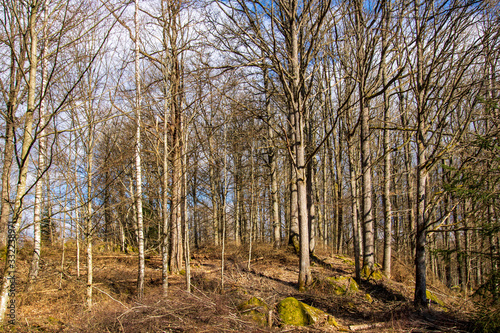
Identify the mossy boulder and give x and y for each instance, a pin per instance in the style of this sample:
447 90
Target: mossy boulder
369 273
296 313
255 309
346 260
433 298
343 284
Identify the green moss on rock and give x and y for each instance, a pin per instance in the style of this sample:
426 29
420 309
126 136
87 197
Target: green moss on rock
255 309
346 260
343 284
293 312
332 321
374 274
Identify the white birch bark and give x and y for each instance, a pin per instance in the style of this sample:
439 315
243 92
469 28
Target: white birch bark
165 230
88 217
138 174
7 294
42 151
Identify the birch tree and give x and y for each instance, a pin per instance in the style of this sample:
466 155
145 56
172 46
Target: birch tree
17 59
42 151
138 168
8 280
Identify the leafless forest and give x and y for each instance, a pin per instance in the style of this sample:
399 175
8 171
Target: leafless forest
155 128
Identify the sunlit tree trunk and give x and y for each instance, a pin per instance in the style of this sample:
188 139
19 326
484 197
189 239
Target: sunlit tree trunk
214 193
88 217
422 174
366 172
16 68
138 170
252 205
238 198
356 232
224 215
187 244
8 280
293 206
387 153
272 156
165 213
42 151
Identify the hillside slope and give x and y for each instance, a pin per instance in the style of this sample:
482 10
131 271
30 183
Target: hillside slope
56 301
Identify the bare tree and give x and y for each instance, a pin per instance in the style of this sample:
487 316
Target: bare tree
299 26
8 281
442 40
42 151
16 71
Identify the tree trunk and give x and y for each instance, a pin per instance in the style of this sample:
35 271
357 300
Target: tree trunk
420 256
238 199
77 236
338 198
294 208
422 175
214 192
165 213
305 277
387 153
138 171
252 204
272 155
354 204
311 207
187 253
176 247
42 151
16 72
88 218
8 280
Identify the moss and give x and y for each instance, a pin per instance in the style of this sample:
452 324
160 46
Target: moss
332 321
374 274
433 298
131 249
293 312
368 298
345 260
377 275
343 284
313 314
353 285
255 309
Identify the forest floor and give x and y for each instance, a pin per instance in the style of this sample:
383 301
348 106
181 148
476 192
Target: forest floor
56 302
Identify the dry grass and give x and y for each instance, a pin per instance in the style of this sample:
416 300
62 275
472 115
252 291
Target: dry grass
56 303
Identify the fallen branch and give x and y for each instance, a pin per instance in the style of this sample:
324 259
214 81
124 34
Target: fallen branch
366 326
114 299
